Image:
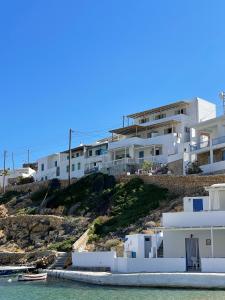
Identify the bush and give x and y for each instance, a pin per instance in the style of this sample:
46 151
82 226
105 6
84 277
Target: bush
64 246
193 168
7 196
39 195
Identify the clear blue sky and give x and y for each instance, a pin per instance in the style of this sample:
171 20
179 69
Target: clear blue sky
84 63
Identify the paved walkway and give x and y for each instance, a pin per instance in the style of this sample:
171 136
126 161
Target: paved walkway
187 280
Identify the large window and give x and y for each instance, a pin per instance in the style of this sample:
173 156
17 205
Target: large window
79 166
160 116
90 153
56 163
143 120
181 111
141 154
42 167
73 167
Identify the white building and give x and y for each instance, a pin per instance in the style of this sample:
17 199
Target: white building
85 159
191 240
208 145
159 135
13 176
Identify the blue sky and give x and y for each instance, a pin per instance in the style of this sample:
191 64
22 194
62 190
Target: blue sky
84 63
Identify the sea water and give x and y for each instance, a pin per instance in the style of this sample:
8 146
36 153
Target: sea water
70 290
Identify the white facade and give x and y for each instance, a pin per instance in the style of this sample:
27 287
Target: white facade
12 176
208 145
158 135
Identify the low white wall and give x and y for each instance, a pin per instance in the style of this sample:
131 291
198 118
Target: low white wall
133 265
213 265
93 259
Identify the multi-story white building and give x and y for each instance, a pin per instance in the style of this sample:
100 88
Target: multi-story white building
85 159
159 135
208 145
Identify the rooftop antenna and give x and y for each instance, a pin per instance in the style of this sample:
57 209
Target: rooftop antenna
222 97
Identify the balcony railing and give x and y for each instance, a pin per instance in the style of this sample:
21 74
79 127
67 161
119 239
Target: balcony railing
219 140
199 146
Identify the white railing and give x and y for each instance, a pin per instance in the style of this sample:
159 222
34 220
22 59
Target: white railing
194 219
158 159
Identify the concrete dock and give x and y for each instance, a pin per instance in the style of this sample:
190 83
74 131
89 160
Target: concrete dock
175 280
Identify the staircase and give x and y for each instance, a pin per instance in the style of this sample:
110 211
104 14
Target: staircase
60 261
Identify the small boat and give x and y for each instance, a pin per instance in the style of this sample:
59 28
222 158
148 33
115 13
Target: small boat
32 277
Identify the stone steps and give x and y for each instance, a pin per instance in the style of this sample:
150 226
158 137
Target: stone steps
60 260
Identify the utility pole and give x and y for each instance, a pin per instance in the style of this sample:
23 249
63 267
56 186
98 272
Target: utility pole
70 156
13 165
123 121
4 171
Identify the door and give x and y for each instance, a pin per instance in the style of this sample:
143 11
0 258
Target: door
197 205
192 254
148 245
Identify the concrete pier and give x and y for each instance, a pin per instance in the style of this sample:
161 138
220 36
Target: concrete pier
175 280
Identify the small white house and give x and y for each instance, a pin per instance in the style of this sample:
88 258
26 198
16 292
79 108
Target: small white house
12 176
191 240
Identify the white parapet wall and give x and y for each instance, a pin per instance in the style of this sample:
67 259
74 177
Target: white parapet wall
104 259
142 265
126 265
213 265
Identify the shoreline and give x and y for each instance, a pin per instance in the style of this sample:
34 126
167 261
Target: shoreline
165 280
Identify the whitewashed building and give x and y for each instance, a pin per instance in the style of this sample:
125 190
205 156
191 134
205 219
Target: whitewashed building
187 241
160 135
208 145
13 176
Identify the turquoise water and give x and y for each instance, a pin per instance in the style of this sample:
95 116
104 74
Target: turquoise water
67 290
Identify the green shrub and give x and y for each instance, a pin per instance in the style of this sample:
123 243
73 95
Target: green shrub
39 195
64 246
7 196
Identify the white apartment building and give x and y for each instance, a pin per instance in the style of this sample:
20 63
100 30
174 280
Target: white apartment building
85 159
208 145
159 135
191 240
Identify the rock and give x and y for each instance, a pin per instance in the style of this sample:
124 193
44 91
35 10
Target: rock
3 211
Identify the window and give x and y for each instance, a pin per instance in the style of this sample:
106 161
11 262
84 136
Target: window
168 130
79 166
56 163
98 152
68 157
158 151
181 111
77 154
42 167
143 120
90 153
161 116
67 169
42 178
46 177
57 171
208 242
187 129
141 154
73 167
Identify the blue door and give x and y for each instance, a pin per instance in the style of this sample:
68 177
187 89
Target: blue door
197 204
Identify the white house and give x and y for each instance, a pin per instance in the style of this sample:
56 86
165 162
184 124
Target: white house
208 145
191 240
12 176
159 135
85 159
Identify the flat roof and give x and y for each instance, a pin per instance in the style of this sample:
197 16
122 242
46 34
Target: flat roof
133 128
74 149
188 228
208 123
158 109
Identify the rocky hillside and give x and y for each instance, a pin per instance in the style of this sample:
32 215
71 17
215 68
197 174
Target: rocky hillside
53 218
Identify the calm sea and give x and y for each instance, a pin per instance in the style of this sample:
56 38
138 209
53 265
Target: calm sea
67 290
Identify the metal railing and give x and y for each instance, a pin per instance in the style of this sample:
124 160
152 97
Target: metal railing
199 146
219 140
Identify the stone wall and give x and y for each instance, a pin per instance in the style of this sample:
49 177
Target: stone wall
176 167
182 185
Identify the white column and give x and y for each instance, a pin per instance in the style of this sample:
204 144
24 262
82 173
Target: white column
212 243
156 241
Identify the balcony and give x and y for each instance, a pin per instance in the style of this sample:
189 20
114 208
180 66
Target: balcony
219 140
199 146
159 139
194 219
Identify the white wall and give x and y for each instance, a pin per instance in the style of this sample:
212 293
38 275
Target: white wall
133 265
188 203
194 219
93 259
213 265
